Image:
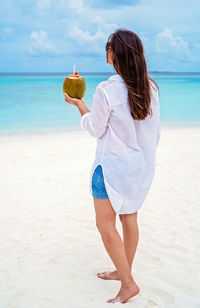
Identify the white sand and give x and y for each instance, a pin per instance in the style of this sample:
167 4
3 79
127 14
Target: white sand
50 247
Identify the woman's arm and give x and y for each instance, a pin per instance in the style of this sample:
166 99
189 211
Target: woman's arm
82 107
95 122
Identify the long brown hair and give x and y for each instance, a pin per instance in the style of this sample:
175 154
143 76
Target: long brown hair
129 62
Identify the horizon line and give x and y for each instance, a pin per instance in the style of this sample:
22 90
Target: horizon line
165 72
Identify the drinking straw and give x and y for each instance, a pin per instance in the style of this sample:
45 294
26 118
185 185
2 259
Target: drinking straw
79 68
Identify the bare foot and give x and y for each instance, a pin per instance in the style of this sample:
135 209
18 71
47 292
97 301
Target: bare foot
125 293
108 275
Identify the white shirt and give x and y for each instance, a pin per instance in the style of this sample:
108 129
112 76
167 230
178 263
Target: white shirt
126 148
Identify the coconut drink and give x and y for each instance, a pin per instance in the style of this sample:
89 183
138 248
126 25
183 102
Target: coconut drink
74 85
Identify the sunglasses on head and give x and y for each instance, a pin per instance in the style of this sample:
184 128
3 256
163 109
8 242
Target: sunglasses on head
108 46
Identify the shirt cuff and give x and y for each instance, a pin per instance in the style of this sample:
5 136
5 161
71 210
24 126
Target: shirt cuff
83 117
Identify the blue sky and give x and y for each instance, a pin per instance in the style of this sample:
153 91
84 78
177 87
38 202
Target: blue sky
52 35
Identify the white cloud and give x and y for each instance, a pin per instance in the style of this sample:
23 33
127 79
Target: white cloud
85 37
169 51
98 20
41 45
43 4
76 5
91 41
168 43
87 43
79 29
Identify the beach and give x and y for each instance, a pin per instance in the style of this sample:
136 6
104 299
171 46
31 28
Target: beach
51 249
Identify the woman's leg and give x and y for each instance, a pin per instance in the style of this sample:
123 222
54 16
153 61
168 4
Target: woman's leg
130 241
105 221
130 235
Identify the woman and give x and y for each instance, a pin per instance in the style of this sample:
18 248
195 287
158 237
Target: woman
125 119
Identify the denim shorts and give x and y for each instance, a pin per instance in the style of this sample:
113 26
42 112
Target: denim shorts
98 185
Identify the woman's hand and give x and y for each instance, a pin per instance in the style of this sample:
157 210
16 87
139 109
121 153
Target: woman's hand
71 100
77 102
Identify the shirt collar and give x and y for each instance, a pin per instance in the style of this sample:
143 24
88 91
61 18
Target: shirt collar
115 77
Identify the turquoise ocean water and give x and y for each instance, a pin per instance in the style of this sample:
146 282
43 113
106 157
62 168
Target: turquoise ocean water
32 102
